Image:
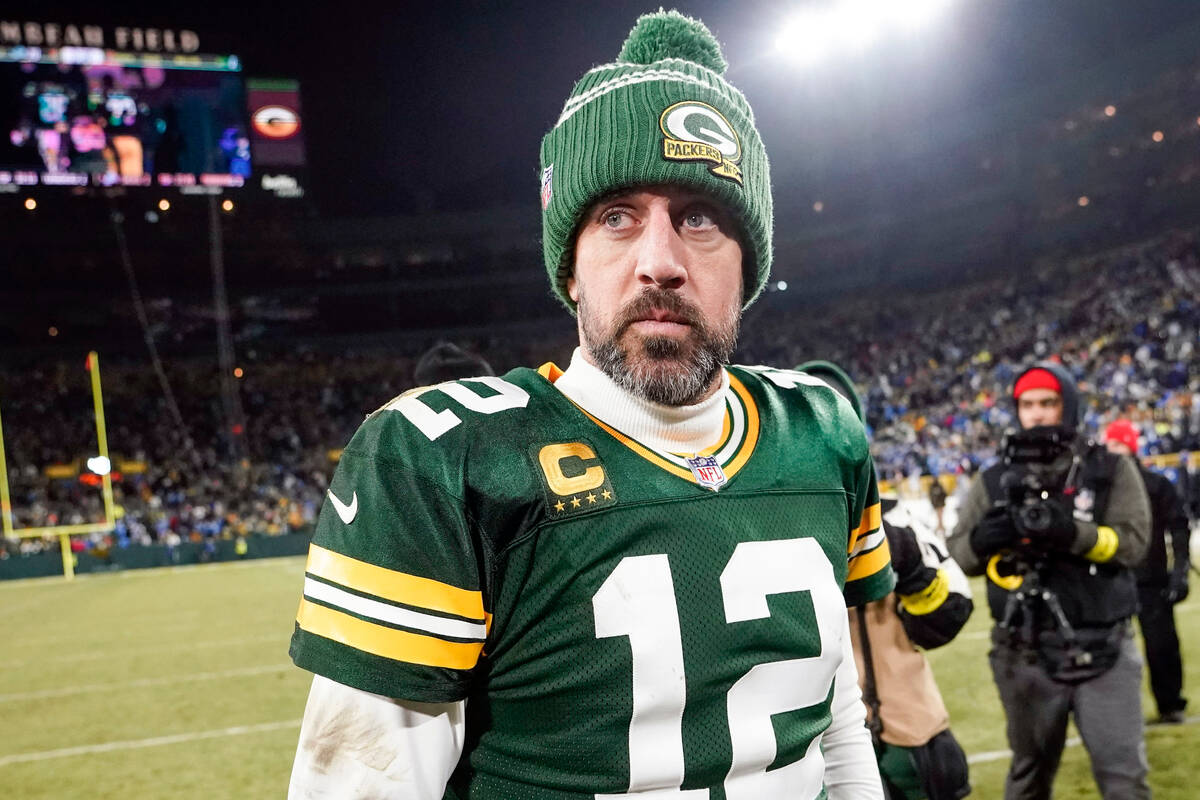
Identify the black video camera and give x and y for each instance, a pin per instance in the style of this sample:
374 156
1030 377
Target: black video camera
1024 493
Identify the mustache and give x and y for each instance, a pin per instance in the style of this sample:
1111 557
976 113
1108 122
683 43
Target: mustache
655 298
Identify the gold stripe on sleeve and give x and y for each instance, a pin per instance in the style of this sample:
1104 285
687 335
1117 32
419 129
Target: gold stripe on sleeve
868 564
872 518
378 640
389 584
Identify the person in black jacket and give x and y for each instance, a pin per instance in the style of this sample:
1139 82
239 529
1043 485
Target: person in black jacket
1159 588
1057 525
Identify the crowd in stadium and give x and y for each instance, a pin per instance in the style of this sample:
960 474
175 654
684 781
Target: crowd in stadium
935 369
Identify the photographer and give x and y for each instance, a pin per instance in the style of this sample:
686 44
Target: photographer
1057 526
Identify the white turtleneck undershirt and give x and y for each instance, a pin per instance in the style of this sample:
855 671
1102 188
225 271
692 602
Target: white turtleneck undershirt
673 429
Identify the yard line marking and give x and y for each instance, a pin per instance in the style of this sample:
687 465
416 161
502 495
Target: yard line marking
179 738
1074 741
102 655
140 683
55 582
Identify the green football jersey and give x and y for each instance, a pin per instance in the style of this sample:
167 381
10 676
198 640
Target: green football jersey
621 620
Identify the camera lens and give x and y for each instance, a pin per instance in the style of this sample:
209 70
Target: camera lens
1035 517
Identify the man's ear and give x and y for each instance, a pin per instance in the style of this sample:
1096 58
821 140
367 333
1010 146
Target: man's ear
573 289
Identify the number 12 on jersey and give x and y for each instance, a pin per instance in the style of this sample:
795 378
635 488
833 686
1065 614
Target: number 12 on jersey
637 601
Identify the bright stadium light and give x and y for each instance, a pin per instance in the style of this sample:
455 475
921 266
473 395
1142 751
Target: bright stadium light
805 38
164 205
99 465
914 15
815 34
30 204
856 23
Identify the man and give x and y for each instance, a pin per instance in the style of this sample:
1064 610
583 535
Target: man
629 578
917 753
1159 589
1057 525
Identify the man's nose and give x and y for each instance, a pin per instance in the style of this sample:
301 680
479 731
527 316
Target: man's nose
661 251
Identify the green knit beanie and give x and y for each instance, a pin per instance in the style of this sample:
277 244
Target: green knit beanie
660 114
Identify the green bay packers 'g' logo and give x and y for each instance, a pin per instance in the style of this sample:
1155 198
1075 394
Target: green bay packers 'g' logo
573 477
695 131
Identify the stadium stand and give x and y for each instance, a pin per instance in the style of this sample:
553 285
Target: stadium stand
979 255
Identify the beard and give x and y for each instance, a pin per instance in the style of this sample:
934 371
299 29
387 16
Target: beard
662 369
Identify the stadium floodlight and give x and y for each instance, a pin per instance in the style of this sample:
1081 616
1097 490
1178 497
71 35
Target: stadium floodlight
804 39
30 204
915 15
815 33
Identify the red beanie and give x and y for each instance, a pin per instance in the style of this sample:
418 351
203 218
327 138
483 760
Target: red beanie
1036 378
1122 430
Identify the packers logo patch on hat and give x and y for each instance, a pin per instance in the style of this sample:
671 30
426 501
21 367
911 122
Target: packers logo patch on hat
695 131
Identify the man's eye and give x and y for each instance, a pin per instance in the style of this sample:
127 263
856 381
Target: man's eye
698 219
614 219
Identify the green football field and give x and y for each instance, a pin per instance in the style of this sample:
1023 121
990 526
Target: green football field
175 683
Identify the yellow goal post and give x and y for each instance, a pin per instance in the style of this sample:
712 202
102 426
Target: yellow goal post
65 532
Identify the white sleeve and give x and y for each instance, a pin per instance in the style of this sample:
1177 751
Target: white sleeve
357 744
851 772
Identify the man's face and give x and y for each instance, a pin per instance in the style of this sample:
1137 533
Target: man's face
658 285
1039 407
1120 448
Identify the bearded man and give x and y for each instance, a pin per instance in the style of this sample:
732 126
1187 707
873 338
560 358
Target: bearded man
624 579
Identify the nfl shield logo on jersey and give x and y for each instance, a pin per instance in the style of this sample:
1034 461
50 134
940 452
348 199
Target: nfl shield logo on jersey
1085 504
707 471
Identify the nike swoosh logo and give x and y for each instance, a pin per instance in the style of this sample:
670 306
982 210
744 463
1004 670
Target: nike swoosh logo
346 512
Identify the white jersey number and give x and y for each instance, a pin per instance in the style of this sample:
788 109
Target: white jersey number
434 423
638 601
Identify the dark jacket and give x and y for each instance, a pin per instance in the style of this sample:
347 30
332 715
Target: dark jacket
1167 518
1094 584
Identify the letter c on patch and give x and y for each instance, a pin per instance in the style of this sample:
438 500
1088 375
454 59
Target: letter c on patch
551 457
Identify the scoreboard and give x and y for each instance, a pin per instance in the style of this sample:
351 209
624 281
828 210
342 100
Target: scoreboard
83 117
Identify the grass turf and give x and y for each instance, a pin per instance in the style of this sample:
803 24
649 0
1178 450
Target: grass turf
175 683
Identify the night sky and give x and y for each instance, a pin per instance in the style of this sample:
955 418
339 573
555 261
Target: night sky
441 106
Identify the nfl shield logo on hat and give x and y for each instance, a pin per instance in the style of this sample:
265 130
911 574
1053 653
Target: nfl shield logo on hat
707 471
547 185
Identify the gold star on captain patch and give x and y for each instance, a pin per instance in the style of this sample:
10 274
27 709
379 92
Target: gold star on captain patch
591 498
606 494
559 506
574 502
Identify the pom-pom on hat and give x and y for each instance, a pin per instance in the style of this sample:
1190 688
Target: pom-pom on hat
662 113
